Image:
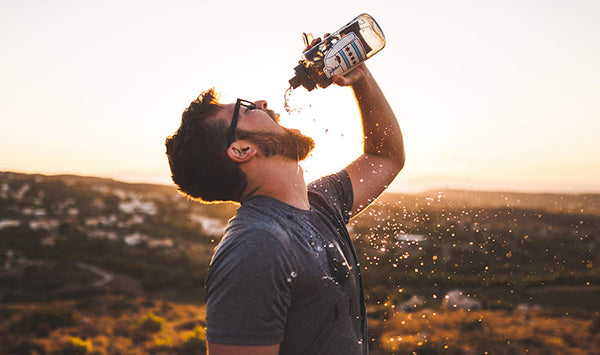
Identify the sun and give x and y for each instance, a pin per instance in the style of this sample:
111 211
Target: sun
332 119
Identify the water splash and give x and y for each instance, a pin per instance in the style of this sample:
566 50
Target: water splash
286 100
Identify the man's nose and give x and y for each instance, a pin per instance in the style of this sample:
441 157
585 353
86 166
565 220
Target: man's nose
261 104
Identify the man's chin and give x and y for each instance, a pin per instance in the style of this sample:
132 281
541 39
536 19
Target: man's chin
275 116
291 144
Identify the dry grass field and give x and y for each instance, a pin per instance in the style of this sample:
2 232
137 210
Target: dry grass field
115 325
103 325
485 332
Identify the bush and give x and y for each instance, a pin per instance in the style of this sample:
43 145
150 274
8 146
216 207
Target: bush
74 346
471 325
161 345
41 321
195 342
595 325
150 323
121 305
147 325
27 347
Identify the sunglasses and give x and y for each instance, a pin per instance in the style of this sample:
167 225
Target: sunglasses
249 105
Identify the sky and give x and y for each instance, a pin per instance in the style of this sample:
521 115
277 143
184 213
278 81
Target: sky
490 95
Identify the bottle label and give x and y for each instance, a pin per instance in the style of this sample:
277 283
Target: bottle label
345 54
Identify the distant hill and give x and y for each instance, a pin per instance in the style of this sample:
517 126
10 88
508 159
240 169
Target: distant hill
223 210
549 202
69 234
578 203
69 179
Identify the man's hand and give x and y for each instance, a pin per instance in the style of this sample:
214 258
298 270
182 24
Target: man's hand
353 76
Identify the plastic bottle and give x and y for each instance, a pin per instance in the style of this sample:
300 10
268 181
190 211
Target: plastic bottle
337 54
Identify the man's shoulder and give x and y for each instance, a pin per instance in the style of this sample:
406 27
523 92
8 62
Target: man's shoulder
333 193
260 213
257 222
326 183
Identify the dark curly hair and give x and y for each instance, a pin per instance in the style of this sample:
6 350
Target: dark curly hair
197 154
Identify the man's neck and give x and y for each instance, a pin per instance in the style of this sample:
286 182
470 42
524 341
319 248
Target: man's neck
282 180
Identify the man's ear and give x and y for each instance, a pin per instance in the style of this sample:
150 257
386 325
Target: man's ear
241 151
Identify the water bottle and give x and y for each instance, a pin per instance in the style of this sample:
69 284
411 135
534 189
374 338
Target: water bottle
339 53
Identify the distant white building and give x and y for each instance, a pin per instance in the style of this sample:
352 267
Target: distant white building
122 194
7 223
211 226
45 224
135 219
4 190
410 237
91 222
137 205
72 212
99 233
135 238
101 188
456 299
412 304
39 212
164 243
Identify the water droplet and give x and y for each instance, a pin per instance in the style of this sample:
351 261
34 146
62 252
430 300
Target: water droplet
286 100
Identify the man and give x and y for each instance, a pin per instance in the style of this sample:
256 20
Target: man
285 278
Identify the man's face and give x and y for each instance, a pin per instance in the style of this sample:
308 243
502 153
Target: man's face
260 126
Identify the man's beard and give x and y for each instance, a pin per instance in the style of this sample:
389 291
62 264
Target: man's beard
291 145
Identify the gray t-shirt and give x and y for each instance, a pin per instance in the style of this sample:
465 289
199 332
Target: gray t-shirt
282 275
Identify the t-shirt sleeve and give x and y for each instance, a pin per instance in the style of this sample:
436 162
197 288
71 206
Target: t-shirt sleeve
249 290
335 191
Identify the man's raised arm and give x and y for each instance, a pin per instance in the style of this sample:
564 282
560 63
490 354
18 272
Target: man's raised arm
383 155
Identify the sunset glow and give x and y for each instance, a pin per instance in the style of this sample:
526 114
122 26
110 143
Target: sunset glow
490 95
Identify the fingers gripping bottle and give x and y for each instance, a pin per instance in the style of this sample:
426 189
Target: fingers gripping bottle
339 53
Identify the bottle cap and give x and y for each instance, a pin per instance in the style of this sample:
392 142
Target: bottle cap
302 78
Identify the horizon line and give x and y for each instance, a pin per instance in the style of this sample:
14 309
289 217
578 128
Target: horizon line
409 190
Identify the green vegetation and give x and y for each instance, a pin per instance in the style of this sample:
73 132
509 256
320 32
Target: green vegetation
502 256
143 327
157 327
481 332
103 244
41 321
74 346
150 323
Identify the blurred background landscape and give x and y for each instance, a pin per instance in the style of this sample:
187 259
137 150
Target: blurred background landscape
487 242
98 266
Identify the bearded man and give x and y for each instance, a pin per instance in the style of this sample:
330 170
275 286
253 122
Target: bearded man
285 278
